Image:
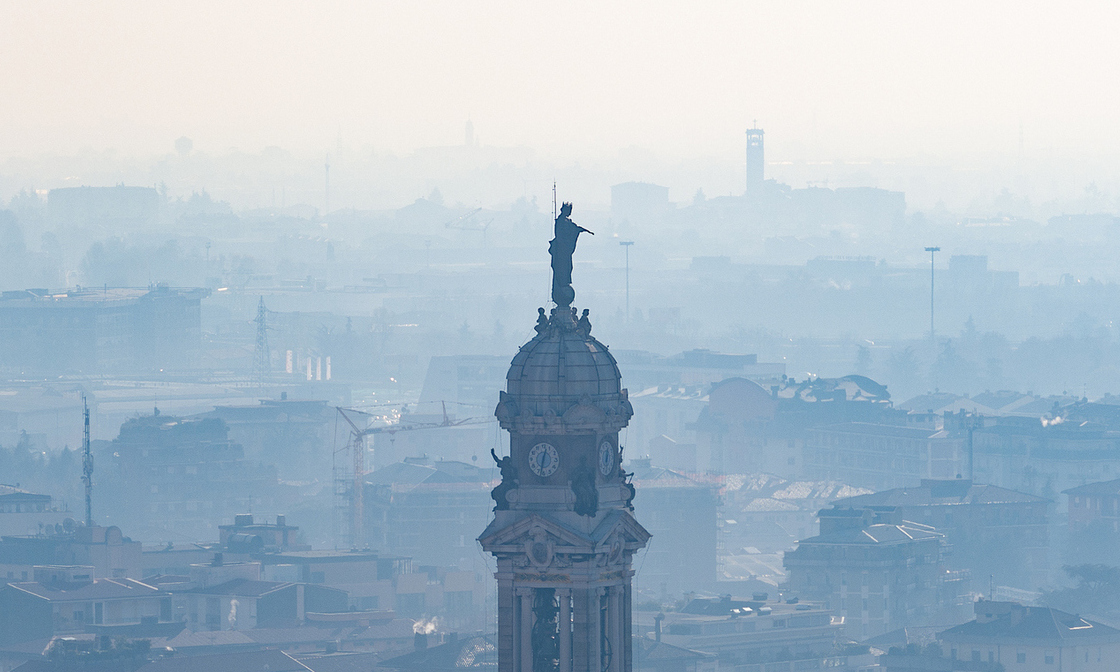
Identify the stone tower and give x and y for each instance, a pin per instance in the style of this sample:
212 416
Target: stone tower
563 534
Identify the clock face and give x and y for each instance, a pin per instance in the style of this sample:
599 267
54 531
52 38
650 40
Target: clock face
544 460
606 458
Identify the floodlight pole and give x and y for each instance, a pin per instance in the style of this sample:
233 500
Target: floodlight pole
932 251
627 244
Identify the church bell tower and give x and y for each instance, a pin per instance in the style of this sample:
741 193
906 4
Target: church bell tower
563 534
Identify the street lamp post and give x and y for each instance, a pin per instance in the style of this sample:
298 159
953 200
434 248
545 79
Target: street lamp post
932 251
627 244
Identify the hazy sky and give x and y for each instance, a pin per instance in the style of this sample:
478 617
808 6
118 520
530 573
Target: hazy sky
575 79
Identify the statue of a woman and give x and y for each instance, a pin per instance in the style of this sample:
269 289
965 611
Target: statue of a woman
562 247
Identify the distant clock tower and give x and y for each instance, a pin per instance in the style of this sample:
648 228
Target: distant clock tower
563 533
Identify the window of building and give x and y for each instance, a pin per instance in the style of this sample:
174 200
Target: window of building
1049 658
1020 657
976 655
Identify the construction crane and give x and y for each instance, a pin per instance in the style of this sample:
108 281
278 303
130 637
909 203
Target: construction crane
357 447
465 223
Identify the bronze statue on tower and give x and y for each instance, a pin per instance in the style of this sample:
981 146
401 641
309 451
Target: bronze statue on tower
562 247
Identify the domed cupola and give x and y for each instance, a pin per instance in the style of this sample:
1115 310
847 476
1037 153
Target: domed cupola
564 380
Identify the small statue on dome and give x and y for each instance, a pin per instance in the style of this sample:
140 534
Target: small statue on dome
583 326
542 321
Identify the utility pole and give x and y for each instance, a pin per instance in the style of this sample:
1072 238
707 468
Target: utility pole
627 244
327 186
932 251
87 465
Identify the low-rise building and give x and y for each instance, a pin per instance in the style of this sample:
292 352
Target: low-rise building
1049 455
426 510
749 428
683 514
743 633
67 600
881 456
25 512
1010 637
173 477
991 530
1094 503
873 576
106 549
244 604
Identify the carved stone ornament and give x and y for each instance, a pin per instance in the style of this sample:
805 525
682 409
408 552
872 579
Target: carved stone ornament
539 548
584 413
507 410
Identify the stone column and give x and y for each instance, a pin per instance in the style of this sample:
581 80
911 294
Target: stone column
581 626
507 637
565 629
628 625
527 630
614 614
595 632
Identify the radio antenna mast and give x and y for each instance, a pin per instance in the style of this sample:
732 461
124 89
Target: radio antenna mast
87 465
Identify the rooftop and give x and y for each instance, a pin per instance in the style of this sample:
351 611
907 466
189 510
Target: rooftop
1009 620
267 660
932 492
97 589
878 534
242 588
1100 489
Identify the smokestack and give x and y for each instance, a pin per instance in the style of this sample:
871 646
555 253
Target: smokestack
657 626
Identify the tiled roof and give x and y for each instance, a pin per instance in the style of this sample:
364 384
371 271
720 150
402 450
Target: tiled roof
13 493
876 534
267 660
340 662
472 652
241 588
646 649
871 428
1038 624
1101 489
941 493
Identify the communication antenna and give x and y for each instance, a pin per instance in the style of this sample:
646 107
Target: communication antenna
262 359
87 465
555 212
